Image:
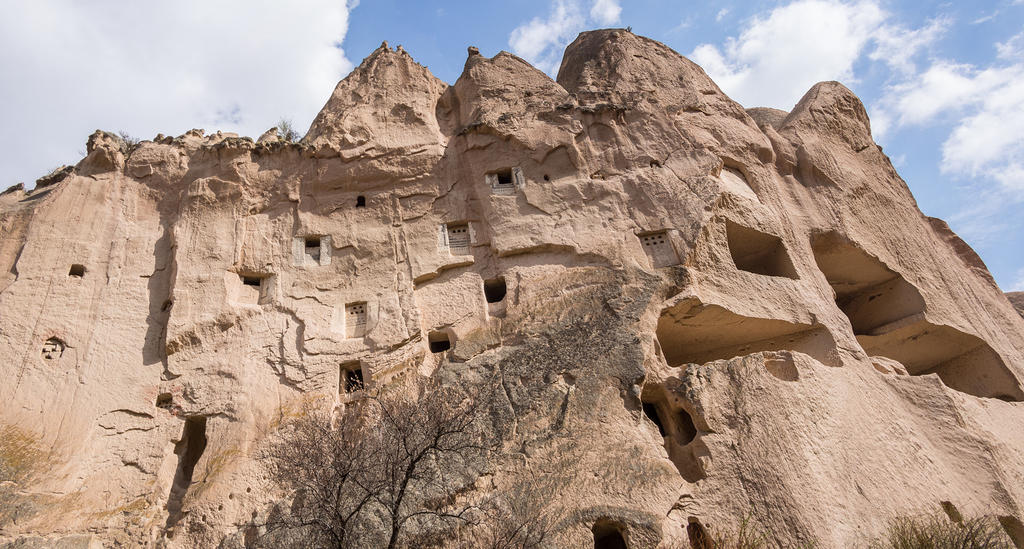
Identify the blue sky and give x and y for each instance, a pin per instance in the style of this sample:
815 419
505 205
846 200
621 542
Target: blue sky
942 81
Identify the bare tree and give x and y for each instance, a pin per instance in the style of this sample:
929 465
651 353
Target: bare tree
286 131
389 471
130 141
521 516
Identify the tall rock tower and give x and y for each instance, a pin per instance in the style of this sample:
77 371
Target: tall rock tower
696 313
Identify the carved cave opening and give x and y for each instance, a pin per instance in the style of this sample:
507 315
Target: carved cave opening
495 289
698 535
887 315
360 201
253 289
312 248
651 411
503 181
189 449
439 342
350 379
757 252
77 271
676 427
608 535
692 332
505 177
681 428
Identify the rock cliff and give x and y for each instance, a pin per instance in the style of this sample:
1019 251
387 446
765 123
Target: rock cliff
1017 298
698 313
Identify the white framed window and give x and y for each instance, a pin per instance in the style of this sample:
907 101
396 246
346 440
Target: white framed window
355 319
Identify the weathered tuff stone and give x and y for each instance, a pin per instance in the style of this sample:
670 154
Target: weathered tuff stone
1017 298
821 355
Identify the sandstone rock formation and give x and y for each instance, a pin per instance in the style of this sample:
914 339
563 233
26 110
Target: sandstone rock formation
1017 299
698 312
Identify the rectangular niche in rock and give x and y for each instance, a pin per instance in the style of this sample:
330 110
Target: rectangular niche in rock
253 288
77 271
495 289
757 252
439 342
659 249
506 181
355 320
350 377
457 237
311 250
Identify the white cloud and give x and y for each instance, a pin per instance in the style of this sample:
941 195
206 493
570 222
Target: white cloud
990 140
985 108
896 45
683 24
721 14
606 12
985 18
982 108
778 57
942 87
1012 48
542 40
881 121
164 67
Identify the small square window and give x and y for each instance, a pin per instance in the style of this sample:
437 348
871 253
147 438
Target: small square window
503 181
350 378
355 319
458 239
439 342
505 177
659 249
312 248
77 271
252 290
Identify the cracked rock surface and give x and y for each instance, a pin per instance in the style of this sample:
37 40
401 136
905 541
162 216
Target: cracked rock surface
709 312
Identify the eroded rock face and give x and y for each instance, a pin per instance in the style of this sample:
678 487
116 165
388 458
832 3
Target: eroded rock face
699 312
1017 299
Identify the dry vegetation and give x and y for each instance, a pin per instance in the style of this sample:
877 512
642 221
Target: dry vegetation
394 471
748 535
940 532
936 531
286 132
